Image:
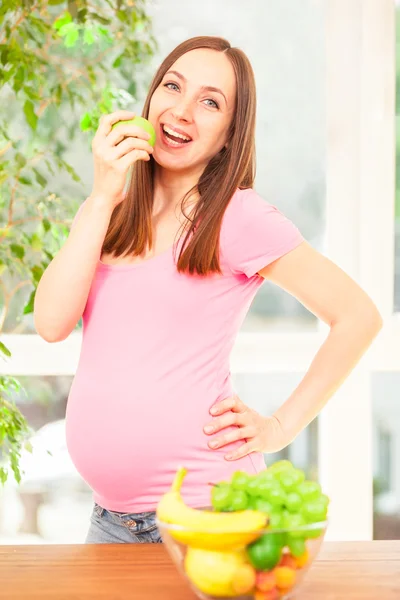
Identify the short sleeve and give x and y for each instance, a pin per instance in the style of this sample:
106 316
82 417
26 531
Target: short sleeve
255 233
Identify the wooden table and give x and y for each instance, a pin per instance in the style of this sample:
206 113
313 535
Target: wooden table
343 571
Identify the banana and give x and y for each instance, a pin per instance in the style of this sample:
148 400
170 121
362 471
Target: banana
206 529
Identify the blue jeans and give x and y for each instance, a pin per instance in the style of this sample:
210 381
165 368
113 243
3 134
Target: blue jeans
109 527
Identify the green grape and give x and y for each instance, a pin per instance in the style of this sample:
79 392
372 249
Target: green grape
299 476
293 502
252 505
265 486
266 475
262 505
240 480
297 546
314 511
276 520
277 496
252 487
325 499
288 481
239 500
280 466
309 490
293 522
221 496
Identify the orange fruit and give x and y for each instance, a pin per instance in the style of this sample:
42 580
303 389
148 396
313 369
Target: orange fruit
285 577
265 581
288 560
271 595
244 579
302 560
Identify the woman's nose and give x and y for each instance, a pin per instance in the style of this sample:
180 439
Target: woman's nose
182 111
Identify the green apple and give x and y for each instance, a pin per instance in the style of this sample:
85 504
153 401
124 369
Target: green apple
143 123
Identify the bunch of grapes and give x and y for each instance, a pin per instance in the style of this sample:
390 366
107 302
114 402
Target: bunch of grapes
291 502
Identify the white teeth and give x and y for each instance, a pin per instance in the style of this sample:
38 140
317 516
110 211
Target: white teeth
174 133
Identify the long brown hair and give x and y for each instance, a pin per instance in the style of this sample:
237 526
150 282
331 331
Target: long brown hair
130 230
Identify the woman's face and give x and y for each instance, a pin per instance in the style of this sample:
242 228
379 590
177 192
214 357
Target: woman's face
183 103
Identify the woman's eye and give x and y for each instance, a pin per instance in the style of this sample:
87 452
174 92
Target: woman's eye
215 104
208 99
167 84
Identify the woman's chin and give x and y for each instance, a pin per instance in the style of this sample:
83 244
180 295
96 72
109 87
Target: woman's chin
174 164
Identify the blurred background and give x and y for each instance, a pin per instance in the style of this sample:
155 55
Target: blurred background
312 162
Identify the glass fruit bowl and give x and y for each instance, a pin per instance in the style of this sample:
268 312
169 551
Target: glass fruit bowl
247 564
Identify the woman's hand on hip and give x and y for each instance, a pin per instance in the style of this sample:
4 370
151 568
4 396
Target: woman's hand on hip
260 434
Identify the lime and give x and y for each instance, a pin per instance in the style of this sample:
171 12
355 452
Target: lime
265 553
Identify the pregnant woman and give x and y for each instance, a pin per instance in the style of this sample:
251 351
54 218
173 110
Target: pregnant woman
163 271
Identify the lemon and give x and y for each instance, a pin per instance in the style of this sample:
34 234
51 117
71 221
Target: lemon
220 574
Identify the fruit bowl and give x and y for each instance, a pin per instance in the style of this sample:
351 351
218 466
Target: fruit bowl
256 541
267 564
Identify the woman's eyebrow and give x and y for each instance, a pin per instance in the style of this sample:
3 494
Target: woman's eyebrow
209 88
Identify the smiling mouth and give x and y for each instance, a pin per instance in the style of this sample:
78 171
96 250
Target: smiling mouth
173 141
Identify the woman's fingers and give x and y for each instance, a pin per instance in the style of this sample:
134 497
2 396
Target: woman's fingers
126 161
241 433
127 145
226 420
107 121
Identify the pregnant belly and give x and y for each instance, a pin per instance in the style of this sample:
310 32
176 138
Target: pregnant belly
128 452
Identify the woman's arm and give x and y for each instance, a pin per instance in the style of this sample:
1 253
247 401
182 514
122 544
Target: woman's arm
64 287
354 321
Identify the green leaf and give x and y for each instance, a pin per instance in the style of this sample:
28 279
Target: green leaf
46 225
4 55
39 178
20 159
3 475
71 39
117 62
28 308
122 16
18 251
37 273
88 36
25 180
28 446
55 2
49 255
66 29
72 172
49 166
82 12
3 267
62 20
4 350
30 114
58 94
19 79
86 122
36 243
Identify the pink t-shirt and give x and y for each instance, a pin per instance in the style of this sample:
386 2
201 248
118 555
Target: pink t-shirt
155 358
